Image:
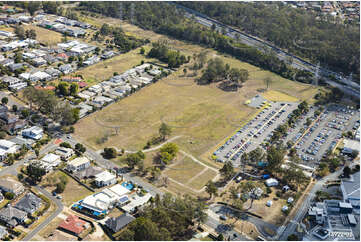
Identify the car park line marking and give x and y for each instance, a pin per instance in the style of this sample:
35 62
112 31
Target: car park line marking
308 129
249 139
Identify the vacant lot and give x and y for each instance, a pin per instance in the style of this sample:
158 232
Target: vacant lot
73 191
201 180
45 36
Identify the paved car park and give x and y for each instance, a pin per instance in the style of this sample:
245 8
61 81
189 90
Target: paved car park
255 132
324 134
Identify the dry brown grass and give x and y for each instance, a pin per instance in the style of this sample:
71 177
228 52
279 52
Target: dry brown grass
45 36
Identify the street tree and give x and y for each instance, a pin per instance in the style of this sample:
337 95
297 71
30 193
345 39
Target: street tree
211 189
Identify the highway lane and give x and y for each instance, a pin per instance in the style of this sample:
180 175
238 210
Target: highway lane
260 44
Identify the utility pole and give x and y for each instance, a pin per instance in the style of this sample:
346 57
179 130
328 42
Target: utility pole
317 75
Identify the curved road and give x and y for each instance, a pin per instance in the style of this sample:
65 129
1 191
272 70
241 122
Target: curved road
58 210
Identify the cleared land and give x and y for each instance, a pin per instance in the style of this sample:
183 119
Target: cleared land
45 36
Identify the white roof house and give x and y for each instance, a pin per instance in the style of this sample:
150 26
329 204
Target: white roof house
39 76
136 201
101 100
269 203
7 147
64 153
105 179
78 164
33 133
50 161
104 200
271 182
350 146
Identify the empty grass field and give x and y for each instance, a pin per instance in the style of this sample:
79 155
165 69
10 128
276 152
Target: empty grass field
183 170
201 180
203 115
45 36
276 96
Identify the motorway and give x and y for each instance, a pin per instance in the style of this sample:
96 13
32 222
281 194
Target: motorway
343 83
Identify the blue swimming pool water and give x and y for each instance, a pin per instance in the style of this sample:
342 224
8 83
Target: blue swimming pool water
128 185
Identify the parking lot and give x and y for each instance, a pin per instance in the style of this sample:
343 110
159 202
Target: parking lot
254 133
324 134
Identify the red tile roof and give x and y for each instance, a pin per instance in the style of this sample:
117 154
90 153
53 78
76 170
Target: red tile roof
52 88
82 84
62 55
73 224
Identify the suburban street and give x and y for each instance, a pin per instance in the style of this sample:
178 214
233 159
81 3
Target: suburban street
110 165
59 209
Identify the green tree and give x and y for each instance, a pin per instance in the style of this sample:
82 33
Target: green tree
109 153
63 88
293 237
74 88
227 171
15 108
142 51
35 172
65 145
4 101
79 149
211 189
20 32
164 131
9 195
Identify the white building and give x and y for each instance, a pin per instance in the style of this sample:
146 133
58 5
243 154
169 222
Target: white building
105 179
7 147
64 153
50 161
271 182
33 133
350 146
136 201
105 200
78 164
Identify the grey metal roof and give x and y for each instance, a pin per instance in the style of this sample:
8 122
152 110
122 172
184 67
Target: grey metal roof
120 222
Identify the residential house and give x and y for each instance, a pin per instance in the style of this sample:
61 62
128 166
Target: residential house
7 147
7 34
10 185
64 153
50 161
66 69
62 57
101 202
16 66
39 76
78 164
96 88
3 232
74 225
91 60
71 78
107 55
101 100
12 216
136 201
30 203
84 109
39 61
89 172
105 179
53 72
10 80
118 223
7 62
33 132
20 141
